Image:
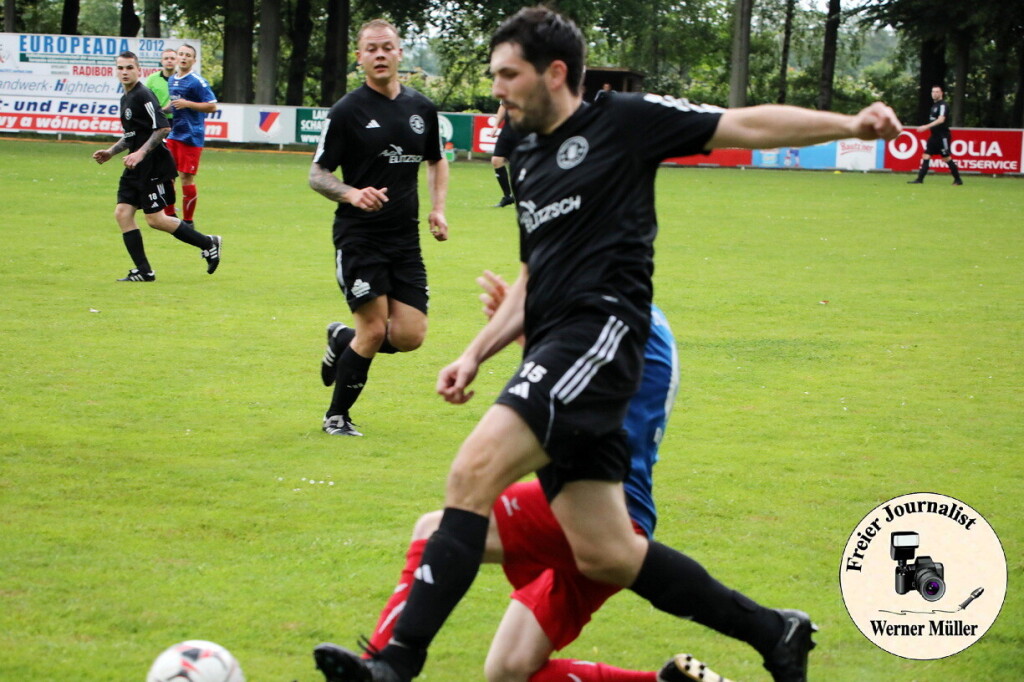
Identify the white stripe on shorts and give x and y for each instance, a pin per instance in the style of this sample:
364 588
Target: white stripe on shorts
337 270
573 382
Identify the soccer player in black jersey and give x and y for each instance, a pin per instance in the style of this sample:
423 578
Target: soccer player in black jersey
506 142
148 178
584 185
939 140
378 134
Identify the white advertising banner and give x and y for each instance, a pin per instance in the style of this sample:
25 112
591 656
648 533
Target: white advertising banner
75 67
856 154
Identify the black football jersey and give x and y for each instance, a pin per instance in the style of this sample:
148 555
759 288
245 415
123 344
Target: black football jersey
939 108
140 116
380 142
585 201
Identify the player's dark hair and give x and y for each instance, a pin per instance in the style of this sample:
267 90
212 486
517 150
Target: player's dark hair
544 35
194 53
127 54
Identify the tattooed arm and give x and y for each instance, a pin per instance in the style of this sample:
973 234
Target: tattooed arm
326 183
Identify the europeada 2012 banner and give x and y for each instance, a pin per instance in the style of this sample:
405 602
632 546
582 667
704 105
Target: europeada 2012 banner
57 83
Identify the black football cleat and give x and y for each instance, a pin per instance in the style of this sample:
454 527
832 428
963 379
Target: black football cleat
338 664
686 668
958 182
505 201
915 182
338 338
212 254
339 425
135 275
787 662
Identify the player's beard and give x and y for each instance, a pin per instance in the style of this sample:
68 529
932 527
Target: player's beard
537 111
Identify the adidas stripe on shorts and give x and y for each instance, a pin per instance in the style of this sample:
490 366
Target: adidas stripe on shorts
572 389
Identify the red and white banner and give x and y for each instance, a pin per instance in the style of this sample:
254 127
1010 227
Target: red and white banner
977 150
80 117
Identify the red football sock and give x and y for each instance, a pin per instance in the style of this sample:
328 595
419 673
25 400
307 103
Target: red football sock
169 210
562 669
189 204
389 616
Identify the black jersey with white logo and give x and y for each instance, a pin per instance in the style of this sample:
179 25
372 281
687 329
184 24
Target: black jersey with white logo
140 116
939 108
585 201
380 142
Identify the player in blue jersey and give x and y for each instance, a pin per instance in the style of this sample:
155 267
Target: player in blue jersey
191 100
552 601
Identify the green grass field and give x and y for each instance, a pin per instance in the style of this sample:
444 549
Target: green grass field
163 475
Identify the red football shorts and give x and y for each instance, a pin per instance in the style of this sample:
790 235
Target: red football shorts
186 157
539 564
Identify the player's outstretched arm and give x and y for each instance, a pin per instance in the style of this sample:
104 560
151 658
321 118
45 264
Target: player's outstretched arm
325 182
779 125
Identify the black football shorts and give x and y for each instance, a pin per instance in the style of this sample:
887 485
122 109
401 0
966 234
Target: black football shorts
149 195
572 389
366 270
937 145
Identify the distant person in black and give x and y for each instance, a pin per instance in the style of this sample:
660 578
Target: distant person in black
939 141
584 183
378 134
506 142
148 178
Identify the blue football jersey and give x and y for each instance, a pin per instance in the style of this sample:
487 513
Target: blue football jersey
646 418
189 125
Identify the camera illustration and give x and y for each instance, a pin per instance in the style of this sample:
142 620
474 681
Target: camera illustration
923 575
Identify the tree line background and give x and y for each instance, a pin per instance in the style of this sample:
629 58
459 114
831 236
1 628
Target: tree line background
835 55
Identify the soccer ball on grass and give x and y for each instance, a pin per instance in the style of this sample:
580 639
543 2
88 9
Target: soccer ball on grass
195 661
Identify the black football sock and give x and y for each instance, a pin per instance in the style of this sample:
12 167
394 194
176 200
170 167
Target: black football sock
387 346
351 376
188 234
502 175
923 170
676 584
133 242
450 562
954 170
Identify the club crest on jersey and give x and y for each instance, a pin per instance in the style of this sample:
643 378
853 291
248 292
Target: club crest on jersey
128 114
417 124
572 152
532 217
395 155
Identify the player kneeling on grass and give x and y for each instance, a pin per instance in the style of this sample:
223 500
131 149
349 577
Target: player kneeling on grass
148 178
553 601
